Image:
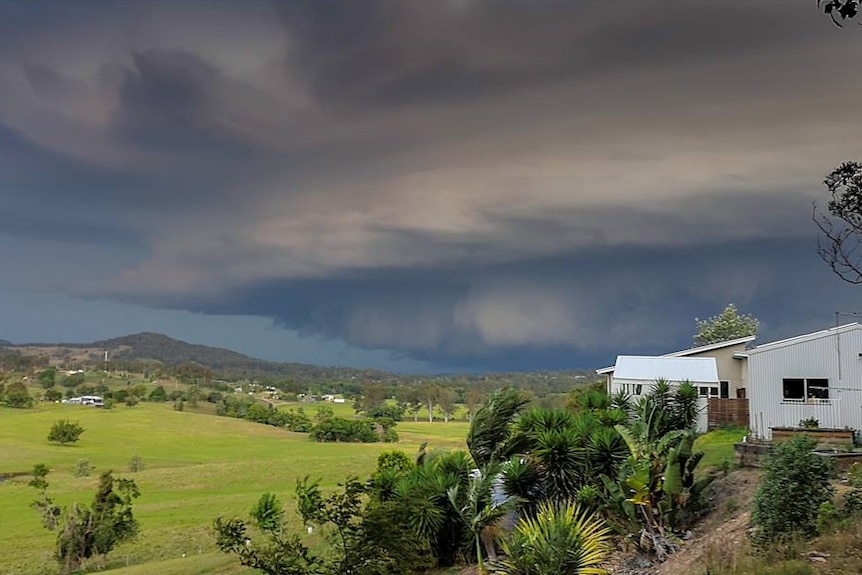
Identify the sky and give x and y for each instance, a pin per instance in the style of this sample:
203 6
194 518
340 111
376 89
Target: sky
420 186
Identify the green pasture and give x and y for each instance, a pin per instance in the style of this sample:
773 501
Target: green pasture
196 467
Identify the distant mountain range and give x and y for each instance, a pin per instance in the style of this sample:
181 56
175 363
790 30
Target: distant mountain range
160 349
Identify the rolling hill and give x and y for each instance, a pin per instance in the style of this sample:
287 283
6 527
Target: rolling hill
159 349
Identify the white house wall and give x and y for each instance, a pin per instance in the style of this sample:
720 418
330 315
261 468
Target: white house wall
815 358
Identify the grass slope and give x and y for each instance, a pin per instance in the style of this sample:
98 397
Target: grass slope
196 467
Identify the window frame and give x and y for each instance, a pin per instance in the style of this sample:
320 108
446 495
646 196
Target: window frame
812 389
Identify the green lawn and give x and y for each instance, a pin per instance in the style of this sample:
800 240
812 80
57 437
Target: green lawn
196 467
718 446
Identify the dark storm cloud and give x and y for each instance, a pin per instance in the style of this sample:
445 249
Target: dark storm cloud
412 52
493 184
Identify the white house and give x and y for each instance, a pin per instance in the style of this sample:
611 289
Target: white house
817 375
636 374
732 380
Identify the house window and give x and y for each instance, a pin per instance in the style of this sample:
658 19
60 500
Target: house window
801 389
724 392
817 389
633 388
707 391
793 388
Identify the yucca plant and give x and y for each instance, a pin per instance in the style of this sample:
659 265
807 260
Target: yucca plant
558 540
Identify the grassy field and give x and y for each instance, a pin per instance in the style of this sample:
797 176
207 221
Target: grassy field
196 467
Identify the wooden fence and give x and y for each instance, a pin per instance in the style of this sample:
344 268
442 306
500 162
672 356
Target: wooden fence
727 412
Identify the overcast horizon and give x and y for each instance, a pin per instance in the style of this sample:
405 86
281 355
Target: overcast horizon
420 186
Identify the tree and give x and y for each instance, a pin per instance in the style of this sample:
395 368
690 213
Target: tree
16 395
373 397
727 325
840 225
74 380
476 508
47 377
843 9
428 395
88 531
490 434
474 400
370 538
64 431
446 402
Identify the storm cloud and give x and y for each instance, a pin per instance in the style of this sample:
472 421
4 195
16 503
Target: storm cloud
484 185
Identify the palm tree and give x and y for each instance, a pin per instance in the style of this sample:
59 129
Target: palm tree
476 508
490 435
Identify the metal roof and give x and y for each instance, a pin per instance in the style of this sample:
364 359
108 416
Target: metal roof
802 338
694 350
640 367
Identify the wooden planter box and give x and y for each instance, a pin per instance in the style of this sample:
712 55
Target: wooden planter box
820 435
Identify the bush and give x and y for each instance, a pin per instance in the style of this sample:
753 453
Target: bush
64 431
131 400
53 395
136 463
394 459
297 421
795 484
158 394
74 380
347 430
559 539
810 423
179 404
109 403
83 468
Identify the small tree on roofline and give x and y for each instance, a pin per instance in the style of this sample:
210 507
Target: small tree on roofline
727 325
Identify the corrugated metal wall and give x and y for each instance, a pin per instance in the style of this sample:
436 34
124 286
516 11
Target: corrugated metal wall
835 357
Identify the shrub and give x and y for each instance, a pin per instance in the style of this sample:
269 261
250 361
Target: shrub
394 459
827 516
558 540
347 430
131 400
810 423
109 403
853 501
158 394
136 463
795 483
83 468
64 431
179 404
297 421
74 380
85 531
